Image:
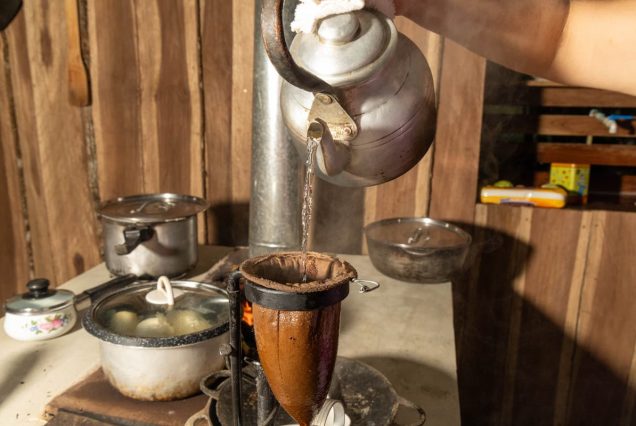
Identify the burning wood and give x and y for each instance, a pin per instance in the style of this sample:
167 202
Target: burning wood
248 316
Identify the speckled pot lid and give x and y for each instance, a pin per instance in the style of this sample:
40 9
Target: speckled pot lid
208 302
39 299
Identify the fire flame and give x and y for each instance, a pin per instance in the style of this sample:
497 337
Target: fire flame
248 316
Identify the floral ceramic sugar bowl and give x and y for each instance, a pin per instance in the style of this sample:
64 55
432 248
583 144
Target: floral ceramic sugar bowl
40 313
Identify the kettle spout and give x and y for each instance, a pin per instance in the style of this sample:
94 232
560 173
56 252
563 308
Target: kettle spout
332 156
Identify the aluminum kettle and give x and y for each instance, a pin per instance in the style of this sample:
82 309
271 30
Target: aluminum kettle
360 88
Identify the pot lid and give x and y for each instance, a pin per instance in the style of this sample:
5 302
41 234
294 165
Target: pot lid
198 309
417 233
152 208
346 48
39 299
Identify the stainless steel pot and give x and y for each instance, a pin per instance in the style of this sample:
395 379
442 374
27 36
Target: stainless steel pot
153 234
417 249
159 368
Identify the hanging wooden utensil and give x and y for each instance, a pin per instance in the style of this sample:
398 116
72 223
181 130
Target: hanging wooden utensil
78 85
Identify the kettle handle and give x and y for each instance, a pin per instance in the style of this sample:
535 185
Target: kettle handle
273 35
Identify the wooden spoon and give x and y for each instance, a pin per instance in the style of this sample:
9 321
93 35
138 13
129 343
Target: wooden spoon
79 91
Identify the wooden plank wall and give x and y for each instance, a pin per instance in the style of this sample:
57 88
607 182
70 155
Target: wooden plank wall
171 111
548 336
544 315
14 257
62 229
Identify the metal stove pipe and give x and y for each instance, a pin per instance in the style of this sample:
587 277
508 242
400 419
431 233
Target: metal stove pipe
275 202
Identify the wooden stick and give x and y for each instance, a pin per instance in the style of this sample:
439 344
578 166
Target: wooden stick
78 86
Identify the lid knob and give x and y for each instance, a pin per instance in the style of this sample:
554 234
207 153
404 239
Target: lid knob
38 288
338 29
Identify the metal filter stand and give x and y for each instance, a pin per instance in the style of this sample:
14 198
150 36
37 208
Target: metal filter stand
267 404
235 354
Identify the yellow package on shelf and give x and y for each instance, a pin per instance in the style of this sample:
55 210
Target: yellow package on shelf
573 177
537 197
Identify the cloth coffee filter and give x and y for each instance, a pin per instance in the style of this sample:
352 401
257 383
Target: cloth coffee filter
284 272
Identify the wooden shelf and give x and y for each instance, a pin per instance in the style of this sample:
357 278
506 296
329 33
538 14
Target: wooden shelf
559 125
605 155
559 97
549 94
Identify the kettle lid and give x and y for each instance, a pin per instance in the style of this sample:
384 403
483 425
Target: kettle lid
346 48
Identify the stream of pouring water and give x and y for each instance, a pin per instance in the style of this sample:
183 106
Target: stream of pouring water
308 190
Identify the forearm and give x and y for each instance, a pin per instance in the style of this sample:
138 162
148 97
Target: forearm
521 34
598 47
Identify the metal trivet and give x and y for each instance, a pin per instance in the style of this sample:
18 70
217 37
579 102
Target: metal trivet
368 397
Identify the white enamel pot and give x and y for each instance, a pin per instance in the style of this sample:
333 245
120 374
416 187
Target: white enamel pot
42 313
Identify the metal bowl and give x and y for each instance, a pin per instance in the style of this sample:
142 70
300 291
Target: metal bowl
417 249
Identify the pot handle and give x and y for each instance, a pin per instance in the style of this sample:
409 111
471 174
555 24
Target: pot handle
209 385
420 411
112 285
133 236
273 34
201 417
366 286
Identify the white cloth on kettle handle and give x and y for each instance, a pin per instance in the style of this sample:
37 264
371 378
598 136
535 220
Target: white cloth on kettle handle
309 12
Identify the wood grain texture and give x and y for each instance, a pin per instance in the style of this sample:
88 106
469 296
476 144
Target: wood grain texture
456 163
242 80
519 284
170 107
558 97
559 125
607 336
78 85
571 320
114 68
607 155
549 278
27 134
517 338
61 217
14 258
148 110
488 300
216 18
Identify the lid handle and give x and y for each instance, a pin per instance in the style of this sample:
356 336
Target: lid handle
164 294
38 288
